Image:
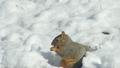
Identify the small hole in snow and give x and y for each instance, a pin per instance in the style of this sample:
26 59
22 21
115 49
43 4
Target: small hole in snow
106 33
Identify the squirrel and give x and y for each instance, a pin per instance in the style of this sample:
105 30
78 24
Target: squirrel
71 52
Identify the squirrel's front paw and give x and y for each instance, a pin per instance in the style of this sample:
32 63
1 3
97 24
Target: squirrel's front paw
60 67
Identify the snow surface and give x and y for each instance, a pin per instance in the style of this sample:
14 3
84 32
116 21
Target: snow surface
27 28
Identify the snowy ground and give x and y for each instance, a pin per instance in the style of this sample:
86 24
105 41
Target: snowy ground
27 28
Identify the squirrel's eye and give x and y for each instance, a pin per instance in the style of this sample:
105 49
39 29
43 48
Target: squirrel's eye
57 47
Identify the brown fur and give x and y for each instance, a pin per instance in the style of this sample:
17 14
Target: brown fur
70 52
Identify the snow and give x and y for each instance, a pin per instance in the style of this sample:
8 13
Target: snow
27 28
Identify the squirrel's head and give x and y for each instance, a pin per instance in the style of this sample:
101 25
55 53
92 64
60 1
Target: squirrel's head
60 41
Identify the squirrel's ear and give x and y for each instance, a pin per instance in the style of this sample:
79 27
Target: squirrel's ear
63 34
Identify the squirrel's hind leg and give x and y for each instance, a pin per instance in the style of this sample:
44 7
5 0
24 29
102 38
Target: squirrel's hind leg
67 63
63 64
